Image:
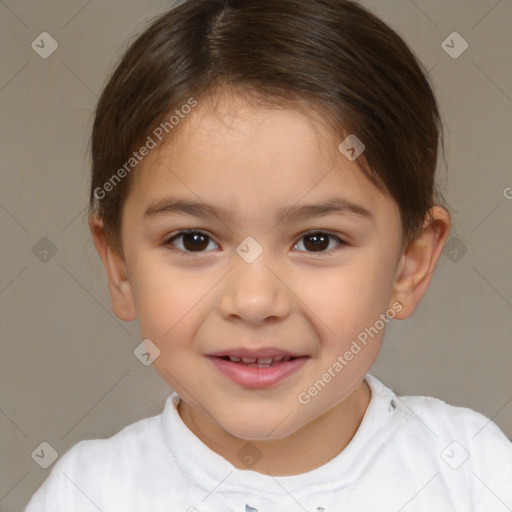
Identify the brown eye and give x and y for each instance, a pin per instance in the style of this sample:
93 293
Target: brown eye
192 241
318 241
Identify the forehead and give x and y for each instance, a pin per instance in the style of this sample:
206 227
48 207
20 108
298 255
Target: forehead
233 152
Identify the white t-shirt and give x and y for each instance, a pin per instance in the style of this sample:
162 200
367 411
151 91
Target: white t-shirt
409 454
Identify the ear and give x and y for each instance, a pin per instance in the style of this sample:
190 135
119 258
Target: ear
119 285
419 261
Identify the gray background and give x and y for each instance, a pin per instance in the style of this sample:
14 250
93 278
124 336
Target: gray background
68 371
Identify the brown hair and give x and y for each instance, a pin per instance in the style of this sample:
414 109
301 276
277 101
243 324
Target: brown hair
336 56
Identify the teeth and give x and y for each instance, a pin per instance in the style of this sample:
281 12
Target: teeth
261 362
266 360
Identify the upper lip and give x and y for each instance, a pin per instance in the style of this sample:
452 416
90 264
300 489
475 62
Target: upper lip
255 353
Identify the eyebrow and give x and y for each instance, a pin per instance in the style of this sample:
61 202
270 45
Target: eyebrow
336 205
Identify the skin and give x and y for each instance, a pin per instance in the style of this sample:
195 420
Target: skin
252 161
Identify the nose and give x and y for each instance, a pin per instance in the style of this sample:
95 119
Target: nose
255 294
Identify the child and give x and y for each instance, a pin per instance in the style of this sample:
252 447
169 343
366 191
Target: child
263 199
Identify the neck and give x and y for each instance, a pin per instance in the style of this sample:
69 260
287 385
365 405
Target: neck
308 448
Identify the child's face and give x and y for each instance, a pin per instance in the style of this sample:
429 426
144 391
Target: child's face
252 163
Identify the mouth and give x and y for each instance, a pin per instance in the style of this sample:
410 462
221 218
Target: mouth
257 368
263 357
259 362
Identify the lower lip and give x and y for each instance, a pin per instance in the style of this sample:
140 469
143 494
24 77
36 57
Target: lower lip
254 377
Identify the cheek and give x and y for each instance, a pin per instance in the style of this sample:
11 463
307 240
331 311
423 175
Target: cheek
344 301
166 299
169 312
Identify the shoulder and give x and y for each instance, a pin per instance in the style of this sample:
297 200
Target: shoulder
122 449
425 414
446 457
94 469
459 423
463 447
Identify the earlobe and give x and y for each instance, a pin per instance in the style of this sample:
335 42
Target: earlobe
419 261
119 285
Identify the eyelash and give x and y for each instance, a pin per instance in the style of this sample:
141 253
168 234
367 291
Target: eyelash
168 242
